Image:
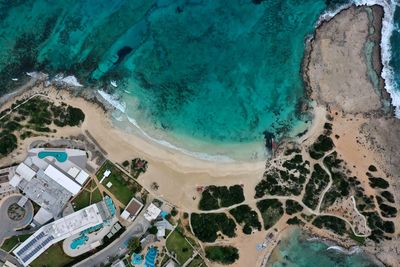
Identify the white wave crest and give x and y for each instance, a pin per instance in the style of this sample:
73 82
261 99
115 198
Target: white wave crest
121 106
350 251
199 155
68 80
113 101
388 27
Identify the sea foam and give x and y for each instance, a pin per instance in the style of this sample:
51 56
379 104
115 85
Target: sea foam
121 106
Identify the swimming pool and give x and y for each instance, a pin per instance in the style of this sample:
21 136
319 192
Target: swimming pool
151 257
79 242
60 156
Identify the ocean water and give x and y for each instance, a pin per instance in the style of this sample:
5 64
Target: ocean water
204 76
299 250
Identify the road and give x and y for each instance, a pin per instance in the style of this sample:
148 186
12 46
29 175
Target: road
118 247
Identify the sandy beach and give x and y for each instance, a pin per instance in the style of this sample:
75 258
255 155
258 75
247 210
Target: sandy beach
360 130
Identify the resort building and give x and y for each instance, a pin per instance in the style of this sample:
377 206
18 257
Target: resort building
50 177
152 212
77 222
132 209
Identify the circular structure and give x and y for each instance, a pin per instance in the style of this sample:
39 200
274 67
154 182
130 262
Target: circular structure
15 212
18 219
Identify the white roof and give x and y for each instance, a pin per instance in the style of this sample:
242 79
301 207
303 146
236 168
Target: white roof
73 171
161 231
152 212
26 172
82 177
125 215
57 231
15 180
106 173
43 216
62 179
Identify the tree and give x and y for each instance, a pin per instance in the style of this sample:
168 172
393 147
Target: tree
134 245
153 230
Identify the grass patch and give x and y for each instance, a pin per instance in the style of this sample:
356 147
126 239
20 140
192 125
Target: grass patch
123 187
82 200
177 244
11 242
196 262
96 196
54 256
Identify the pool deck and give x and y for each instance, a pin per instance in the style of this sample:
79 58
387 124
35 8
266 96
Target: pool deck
93 237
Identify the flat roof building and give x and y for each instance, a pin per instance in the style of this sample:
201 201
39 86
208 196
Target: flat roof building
50 177
152 212
132 209
63 228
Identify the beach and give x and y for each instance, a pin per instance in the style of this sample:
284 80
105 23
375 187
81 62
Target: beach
350 97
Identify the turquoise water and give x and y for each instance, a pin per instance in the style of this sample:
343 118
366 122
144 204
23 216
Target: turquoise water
58 155
79 242
215 71
298 251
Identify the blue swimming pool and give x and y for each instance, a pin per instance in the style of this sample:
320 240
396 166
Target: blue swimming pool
151 257
60 156
79 242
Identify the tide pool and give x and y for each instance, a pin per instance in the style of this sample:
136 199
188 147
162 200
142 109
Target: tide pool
298 250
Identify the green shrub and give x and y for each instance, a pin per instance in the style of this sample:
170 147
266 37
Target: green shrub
293 207
8 142
377 182
222 254
215 197
271 211
206 226
247 217
332 223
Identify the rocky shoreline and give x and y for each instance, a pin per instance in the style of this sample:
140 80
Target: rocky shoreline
335 72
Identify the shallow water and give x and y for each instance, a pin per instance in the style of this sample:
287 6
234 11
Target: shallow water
204 75
298 250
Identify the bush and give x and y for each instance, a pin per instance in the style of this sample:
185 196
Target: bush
206 226
215 197
271 211
388 196
293 207
294 221
332 223
125 163
377 182
372 168
317 183
247 217
8 142
222 254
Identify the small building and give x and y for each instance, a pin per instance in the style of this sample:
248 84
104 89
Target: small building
152 212
132 209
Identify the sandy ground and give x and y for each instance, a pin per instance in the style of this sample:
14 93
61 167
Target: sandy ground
177 174
364 132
